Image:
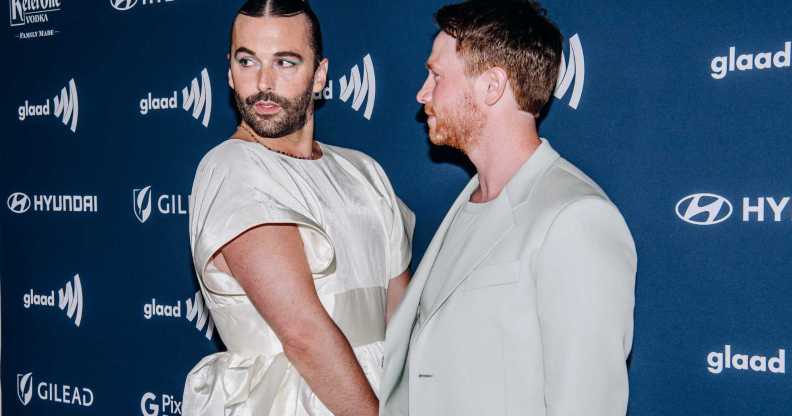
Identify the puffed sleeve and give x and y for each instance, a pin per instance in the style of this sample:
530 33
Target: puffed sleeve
232 193
401 229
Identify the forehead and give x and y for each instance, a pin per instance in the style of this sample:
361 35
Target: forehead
267 35
444 51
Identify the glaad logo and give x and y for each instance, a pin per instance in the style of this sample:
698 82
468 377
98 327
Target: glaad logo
717 361
70 299
20 203
65 106
25 388
167 405
358 88
31 11
722 65
196 99
704 209
167 204
574 70
196 311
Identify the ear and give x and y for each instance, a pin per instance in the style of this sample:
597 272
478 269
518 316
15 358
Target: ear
320 76
493 83
230 78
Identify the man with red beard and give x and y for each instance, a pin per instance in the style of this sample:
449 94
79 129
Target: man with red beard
523 302
301 248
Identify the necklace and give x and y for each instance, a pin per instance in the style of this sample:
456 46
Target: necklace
316 152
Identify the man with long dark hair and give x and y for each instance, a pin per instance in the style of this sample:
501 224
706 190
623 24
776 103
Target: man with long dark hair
523 302
301 248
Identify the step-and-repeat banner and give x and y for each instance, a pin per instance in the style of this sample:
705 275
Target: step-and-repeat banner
680 111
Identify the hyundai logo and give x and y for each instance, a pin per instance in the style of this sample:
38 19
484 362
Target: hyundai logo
18 203
704 209
123 5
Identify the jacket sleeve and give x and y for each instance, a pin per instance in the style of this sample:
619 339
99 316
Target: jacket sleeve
585 278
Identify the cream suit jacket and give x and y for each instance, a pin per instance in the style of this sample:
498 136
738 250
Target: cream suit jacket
536 318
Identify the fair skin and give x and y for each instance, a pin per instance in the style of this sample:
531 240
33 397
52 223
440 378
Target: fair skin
273 53
508 136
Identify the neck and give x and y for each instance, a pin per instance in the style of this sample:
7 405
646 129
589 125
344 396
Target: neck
298 143
504 145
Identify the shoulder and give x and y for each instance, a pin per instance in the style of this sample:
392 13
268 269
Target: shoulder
227 154
353 156
563 193
577 204
561 185
362 163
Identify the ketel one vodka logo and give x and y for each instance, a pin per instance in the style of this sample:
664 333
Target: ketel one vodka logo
143 204
194 311
23 12
65 106
358 87
69 300
52 392
196 99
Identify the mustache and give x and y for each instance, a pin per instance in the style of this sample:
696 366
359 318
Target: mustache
267 96
429 110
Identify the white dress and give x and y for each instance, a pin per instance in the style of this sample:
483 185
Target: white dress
357 235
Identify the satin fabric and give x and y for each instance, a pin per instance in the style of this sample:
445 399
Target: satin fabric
356 234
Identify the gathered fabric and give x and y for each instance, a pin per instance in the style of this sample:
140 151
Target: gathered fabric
356 236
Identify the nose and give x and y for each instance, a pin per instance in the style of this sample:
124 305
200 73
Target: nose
266 80
425 93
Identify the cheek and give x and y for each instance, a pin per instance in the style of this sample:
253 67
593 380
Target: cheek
245 82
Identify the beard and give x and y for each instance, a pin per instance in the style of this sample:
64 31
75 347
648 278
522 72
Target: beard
292 117
458 126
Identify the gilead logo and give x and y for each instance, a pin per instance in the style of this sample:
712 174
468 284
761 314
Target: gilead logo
718 361
25 388
53 392
722 65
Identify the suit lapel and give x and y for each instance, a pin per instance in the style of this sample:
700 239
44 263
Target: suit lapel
489 229
492 227
399 329
493 224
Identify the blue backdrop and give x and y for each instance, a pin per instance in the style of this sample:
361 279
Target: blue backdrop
680 111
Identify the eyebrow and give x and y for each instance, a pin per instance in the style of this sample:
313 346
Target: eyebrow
243 49
289 54
283 54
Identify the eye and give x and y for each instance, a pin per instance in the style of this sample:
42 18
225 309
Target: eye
245 62
285 63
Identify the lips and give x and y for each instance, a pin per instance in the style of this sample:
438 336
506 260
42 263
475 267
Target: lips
266 107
